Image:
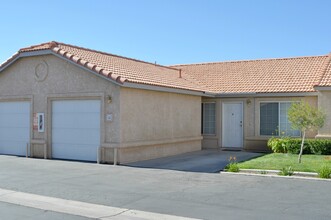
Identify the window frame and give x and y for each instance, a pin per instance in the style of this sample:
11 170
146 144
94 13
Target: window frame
270 101
202 117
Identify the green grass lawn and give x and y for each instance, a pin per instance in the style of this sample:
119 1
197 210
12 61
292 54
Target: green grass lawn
276 161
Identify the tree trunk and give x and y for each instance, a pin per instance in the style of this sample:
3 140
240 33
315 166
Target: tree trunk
302 142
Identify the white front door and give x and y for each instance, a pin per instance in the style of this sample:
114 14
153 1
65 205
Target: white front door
232 125
14 127
75 129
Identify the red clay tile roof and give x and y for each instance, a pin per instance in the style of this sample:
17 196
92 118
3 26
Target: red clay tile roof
119 68
286 75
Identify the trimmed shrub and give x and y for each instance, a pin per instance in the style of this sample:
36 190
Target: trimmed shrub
320 146
292 145
278 145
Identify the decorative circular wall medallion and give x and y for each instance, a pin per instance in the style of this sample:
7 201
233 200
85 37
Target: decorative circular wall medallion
41 71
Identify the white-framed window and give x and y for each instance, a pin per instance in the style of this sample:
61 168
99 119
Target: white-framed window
274 119
208 119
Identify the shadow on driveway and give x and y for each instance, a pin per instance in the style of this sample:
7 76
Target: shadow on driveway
205 161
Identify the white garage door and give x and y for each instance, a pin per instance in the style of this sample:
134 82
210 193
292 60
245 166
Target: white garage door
14 127
75 129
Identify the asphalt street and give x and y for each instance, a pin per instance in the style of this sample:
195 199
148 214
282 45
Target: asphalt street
156 191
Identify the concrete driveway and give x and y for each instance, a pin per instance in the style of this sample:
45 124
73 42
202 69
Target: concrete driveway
205 161
51 189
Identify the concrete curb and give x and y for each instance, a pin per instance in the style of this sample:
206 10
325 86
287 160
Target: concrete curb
78 208
274 173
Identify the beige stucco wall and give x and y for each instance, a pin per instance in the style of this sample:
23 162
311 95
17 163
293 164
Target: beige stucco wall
252 139
146 124
64 81
157 124
324 104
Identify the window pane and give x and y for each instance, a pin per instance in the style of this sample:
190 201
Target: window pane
208 118
274 119
285 125
269 118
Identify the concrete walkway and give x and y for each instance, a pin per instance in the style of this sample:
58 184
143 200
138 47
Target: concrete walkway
205 161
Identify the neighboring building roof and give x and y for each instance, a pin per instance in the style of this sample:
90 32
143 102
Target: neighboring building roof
326 78
285 75
117 68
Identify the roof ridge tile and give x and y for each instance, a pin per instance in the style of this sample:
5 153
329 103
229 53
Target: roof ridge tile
115 55
48 45
93 67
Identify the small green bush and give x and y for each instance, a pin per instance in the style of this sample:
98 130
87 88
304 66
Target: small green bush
286 171
324 172
278 145
233 167
292 145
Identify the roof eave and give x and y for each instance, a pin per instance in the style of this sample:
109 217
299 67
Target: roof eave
18 55
9 61
322 88
266 94
166 89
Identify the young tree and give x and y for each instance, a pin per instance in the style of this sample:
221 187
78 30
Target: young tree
305 117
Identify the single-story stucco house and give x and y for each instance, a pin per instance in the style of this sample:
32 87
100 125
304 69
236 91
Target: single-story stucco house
68 102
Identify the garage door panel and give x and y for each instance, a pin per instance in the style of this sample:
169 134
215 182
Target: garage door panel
12 148
76 120
10 142
74 106
75 152
84 136
6 120
75 129
12 134
15 107
14 127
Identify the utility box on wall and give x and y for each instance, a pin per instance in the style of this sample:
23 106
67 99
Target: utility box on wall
39 122
109 117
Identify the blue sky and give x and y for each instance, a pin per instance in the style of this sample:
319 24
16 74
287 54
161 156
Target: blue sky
172 31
